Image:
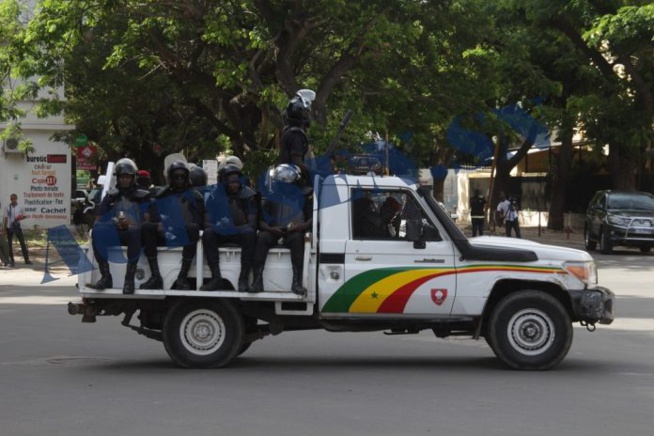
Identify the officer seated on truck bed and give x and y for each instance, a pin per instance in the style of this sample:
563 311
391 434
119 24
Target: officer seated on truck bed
118 222
286 215
182 215
232 211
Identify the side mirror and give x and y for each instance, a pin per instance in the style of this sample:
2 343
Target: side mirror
414 233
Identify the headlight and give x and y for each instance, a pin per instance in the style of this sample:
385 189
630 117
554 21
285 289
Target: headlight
618 220
586 272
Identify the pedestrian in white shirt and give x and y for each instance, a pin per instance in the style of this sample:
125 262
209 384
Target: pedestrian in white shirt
13 215
508 210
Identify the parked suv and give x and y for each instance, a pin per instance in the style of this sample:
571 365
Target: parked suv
623 218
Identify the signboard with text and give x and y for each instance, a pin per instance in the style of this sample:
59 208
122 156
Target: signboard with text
84 154
44 200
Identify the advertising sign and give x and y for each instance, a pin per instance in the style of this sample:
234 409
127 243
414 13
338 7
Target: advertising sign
84 154
44 200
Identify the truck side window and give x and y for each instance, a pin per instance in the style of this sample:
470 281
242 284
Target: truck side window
413 211
367 222
382 215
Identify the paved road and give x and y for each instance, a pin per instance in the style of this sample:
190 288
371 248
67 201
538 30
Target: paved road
61 377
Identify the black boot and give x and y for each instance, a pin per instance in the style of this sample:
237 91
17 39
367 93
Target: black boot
243 281
257 283
216 280
296 283
105 281
155 281
182 283
128 286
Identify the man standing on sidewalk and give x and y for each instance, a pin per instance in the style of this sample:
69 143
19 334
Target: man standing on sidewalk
477 216
508 209
13 215
4 247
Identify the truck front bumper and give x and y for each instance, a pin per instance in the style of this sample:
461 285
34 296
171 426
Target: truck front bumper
593 305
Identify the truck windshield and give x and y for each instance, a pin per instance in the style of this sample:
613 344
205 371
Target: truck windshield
455 233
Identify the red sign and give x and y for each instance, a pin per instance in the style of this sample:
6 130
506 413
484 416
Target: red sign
84 155
57 158
438 296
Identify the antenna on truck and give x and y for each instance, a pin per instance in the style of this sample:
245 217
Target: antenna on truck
341 128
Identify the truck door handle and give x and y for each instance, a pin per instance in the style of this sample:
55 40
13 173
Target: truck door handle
366 258
429 261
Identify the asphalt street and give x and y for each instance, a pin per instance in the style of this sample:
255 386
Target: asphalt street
61 377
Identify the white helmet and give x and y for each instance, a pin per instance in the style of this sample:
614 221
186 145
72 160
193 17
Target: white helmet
230 160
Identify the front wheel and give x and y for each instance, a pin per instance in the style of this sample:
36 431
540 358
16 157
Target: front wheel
203 334
530 330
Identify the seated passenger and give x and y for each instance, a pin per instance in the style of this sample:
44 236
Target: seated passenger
118 222
182 214
286 215
391 217
232 212
367 222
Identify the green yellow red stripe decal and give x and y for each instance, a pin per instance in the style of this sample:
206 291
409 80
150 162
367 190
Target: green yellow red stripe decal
387 290
372 298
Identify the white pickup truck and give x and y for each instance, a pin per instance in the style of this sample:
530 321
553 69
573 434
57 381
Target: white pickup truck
382 256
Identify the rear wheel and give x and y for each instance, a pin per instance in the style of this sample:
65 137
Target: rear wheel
590 245
605 242
203 334
530 330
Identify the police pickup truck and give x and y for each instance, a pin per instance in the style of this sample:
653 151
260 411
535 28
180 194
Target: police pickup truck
381 256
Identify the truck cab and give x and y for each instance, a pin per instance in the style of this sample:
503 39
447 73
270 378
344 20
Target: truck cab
382 256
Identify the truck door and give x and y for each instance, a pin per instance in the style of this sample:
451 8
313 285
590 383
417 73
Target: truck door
384 273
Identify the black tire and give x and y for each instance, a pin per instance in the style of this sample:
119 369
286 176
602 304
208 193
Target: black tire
645 248
605 242
590 244
530 330
203 333
244 347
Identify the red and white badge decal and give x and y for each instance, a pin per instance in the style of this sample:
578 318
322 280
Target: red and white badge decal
438 296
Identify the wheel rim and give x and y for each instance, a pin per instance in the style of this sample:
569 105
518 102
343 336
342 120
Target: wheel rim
531 332
202 332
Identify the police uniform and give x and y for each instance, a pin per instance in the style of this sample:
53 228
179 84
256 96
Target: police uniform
283 210
232 219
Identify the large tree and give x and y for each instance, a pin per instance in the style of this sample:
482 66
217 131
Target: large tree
159 76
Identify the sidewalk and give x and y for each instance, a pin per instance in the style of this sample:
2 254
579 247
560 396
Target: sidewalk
33 275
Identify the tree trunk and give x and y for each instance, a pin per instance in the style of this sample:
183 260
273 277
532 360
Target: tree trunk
560 174
623 167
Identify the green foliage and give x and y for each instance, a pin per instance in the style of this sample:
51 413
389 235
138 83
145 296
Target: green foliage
153 77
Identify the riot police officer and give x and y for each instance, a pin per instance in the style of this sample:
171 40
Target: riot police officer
286 215
119 217
182 214
294 148
198 176
232 210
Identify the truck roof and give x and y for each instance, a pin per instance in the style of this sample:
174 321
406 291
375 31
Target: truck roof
386 181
